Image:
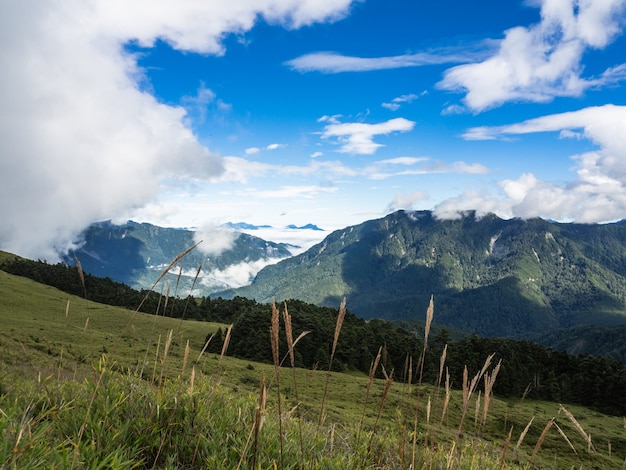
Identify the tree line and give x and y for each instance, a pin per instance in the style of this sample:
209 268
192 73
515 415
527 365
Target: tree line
528 369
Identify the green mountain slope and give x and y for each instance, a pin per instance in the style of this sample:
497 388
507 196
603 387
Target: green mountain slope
136 254
490 276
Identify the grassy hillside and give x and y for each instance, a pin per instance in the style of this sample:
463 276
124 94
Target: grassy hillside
90 386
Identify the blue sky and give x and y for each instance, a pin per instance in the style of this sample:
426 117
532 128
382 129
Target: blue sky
329 112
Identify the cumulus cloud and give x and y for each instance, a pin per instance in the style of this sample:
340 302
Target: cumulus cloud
405 201
236 275
80 138
214 240
358 137
543 61
275 146
597 194
333 62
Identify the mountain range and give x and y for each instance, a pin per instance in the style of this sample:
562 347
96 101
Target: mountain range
489 276
560 284
137 253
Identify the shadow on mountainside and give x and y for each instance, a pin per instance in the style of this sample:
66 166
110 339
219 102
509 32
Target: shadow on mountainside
378 291
120 259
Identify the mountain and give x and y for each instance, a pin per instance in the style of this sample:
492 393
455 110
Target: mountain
245 226
489 276
304 227
137 253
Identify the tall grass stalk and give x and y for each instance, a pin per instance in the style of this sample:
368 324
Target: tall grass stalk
543 435
505 448
292 360
446 399
489 381
429 318
274 333
164 273
180 274
468 391
225 345
193 285
81 275
185 358
523 434
222 354
156 359
206 345
167 299
166 349
370 380
340 316
388 383
564 436
579 428
256 426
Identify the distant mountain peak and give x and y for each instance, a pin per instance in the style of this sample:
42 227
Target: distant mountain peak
245 226
304 227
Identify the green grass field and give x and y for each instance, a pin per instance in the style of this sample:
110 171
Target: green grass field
84 385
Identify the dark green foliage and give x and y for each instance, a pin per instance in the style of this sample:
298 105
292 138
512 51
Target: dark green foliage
546 374
103 290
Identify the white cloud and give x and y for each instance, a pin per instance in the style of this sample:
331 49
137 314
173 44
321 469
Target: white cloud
236 275
473 200
453 109
286 192
241 170
402 161
384 169
275 146
544 61
316 154
80 139
252 150
391 106
332 62
405 201
597 194
397 102
358 138
197 106
214 239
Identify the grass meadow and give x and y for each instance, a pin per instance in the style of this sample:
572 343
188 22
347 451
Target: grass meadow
84 385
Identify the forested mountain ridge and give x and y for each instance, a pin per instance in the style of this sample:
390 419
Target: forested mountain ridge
136 254
490 276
